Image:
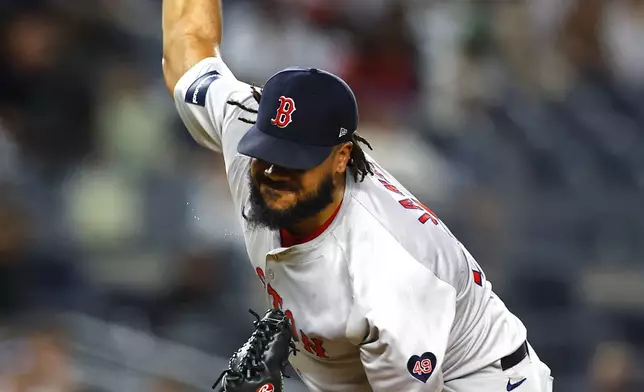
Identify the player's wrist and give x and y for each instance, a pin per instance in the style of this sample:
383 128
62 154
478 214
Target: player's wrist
192 31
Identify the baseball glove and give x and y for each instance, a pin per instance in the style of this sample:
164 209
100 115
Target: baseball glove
258 366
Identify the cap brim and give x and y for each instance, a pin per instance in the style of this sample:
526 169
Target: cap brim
280 152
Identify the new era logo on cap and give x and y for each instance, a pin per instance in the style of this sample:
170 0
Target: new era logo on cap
343 132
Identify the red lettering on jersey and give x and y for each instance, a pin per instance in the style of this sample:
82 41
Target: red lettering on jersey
390 187
416 205
433 216
478 277
261 276
313 345
285 111
277 299
289 315
410 205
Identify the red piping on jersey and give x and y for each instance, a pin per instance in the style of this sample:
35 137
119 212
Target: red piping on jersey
289 239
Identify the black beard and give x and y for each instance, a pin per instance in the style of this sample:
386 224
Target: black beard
262 216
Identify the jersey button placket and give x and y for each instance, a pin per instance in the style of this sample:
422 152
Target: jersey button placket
270 273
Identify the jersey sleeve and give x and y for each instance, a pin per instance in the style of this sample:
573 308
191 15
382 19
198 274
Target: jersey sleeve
202 98
409 313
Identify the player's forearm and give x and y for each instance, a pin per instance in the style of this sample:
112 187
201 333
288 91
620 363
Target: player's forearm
191 32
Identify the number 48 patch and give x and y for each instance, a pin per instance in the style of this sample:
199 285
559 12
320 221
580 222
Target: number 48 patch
422 366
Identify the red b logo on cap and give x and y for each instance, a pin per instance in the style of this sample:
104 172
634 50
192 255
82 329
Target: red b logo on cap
284 114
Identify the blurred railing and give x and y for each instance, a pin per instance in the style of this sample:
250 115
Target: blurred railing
112 357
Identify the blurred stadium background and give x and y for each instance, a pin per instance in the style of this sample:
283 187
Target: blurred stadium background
520 122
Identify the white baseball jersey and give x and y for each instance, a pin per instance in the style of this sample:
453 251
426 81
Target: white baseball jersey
386 298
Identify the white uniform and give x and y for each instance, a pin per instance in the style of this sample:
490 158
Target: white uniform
386 299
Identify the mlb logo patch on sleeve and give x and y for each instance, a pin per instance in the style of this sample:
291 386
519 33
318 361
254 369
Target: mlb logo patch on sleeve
196 93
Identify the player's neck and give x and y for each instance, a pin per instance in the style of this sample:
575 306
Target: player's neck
312 224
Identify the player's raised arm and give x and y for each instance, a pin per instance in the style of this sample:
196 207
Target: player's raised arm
191 32
214 106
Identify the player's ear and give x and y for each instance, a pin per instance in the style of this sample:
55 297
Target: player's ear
343 156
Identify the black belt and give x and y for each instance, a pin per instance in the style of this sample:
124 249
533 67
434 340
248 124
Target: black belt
513 359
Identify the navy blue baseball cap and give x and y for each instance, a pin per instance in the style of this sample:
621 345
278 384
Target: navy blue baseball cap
303 114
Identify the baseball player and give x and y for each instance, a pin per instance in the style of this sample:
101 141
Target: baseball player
379 294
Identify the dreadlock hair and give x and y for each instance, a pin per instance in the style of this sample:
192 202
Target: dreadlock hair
358 160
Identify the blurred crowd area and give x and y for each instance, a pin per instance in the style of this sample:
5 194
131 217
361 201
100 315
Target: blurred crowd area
521 123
